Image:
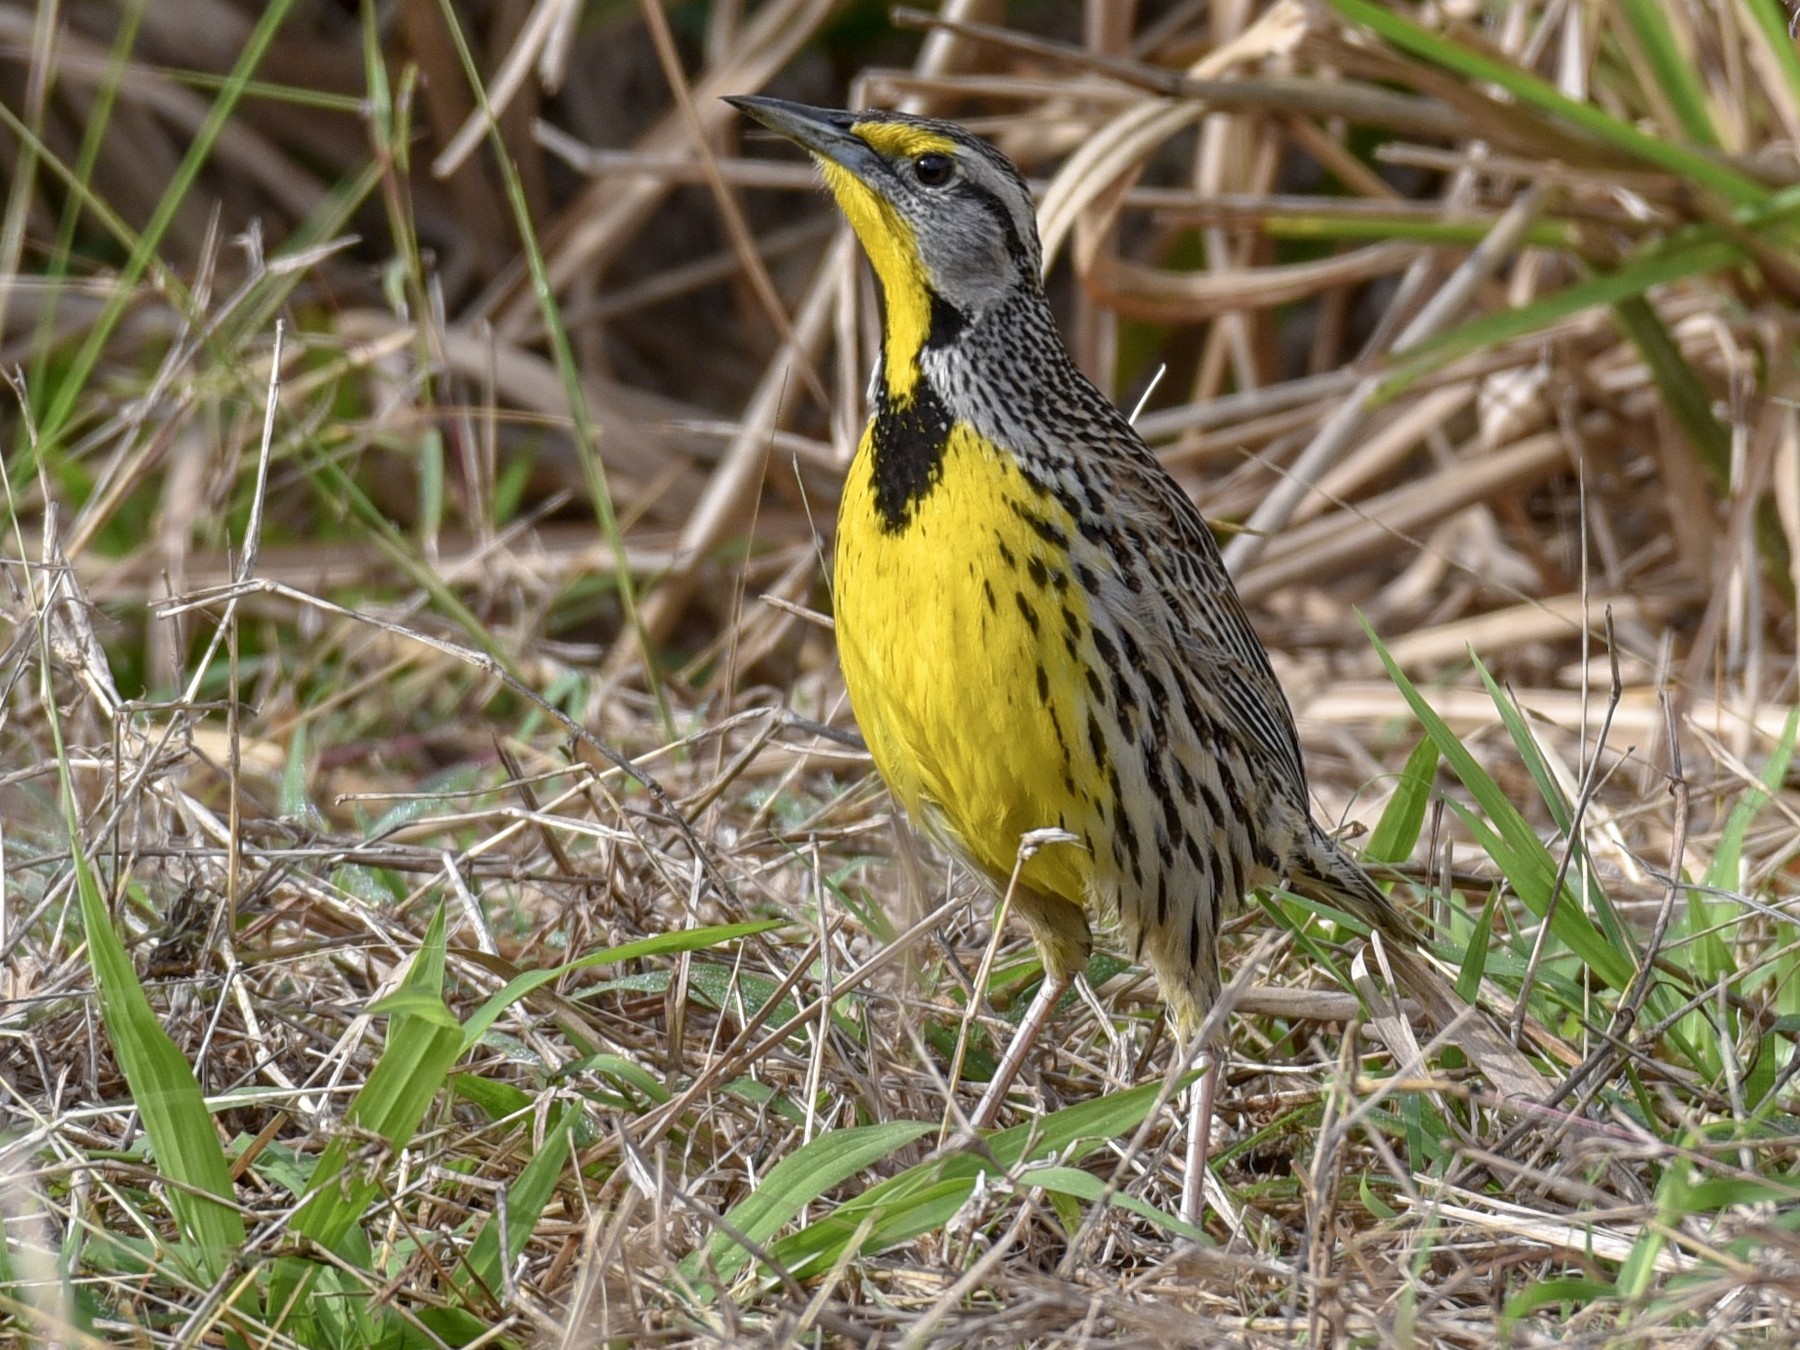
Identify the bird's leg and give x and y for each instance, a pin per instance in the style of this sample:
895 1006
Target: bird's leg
1200 1114
1049 993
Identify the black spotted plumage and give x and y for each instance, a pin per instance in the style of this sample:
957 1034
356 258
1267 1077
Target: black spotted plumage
1185 781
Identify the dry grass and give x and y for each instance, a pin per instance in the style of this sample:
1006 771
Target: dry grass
412 576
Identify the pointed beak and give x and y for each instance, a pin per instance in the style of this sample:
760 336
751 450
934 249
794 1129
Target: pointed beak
823 132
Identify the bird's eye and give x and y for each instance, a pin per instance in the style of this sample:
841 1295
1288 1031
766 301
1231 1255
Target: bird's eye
933 170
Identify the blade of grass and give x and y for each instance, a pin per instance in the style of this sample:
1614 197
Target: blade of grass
1772 23
424 1041
57 264
1475 953
1682 392
1510 841
1546 98
1726 871
1562 811
1693 253
927 1196
526 1198
1672 72
1449 233
1686 397
1709 919
1576 1293
54 420
162 1083
1072 1181
664 944
1396 834
326 223
587 434
791 1185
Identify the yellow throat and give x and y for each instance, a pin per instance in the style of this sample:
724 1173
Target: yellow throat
892 247
963 638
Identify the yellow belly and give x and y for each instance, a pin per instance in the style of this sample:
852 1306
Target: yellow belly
965 647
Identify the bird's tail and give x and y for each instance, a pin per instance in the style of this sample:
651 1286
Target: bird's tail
1331 876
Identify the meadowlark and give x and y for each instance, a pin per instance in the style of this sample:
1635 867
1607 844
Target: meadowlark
1034 623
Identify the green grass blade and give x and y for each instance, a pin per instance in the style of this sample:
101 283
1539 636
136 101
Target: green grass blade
1546 98
1447 233
294 803
165 1091
927 1196
791 1185
1509 840
1086 1186
1671 71
423 1043
1396 834
1726 871
1710 920
526 1199
1576 1292
884 1216
1532 871
1090 1122
1682 391
1475 952
1689 255
61 252
1770 19
1562 810
663 944
162 1083
1697 937
1673 1206
325 223
55 418
562 351
421 1048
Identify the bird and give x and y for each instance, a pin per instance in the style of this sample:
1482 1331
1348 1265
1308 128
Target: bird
1036 629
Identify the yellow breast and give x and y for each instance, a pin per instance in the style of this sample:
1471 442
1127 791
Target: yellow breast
965 647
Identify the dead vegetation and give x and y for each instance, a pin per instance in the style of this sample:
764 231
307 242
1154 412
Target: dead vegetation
424 422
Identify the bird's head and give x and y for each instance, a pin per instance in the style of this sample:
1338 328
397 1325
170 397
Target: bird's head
944 217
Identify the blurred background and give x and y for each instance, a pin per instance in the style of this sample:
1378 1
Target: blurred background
1230 266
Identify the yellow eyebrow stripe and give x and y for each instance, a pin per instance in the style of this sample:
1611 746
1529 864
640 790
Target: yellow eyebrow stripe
899 141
